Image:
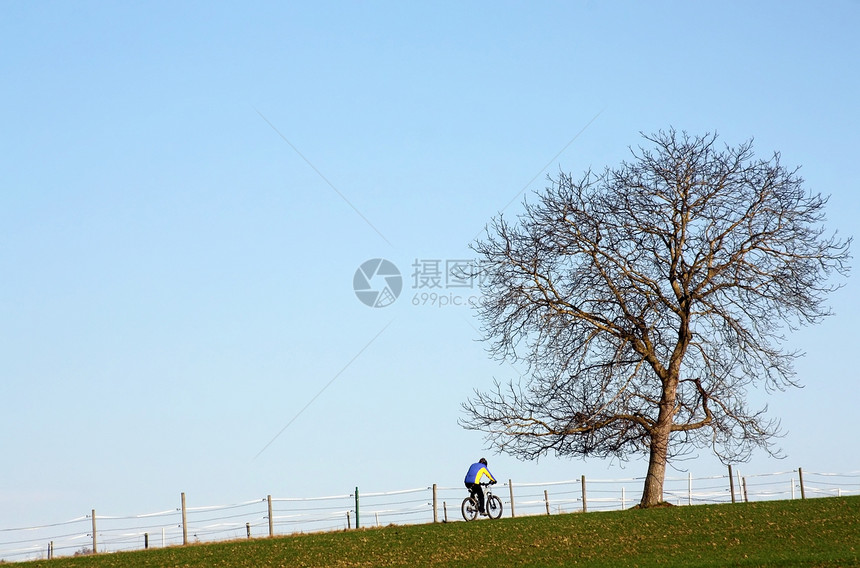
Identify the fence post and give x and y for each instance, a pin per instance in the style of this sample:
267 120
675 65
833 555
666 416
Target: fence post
511 487
146 541
746 495
248 529
689 488
584 504
802 489
622 497
348 522
731 483
184 521
95 549
445 510
271 518
435 512
740 485
50 550
356 508
546 500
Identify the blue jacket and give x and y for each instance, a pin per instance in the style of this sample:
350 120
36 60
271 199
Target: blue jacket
477 472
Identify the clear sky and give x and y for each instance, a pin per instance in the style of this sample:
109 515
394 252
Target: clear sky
187 190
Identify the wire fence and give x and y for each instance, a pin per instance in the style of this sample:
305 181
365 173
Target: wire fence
271 516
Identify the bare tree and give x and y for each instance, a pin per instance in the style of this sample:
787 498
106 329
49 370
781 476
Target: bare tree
647 301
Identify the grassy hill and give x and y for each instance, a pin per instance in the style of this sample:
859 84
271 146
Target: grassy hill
815 532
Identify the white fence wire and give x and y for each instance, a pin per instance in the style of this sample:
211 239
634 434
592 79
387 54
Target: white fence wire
270 516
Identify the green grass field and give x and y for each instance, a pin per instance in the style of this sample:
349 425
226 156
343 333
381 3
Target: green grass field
814 532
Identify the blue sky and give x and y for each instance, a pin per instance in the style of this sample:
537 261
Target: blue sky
187 190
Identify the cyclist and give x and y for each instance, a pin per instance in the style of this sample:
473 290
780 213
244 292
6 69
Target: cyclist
477 474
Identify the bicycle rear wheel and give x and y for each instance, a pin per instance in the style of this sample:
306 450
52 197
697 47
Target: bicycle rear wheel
494 507
469 508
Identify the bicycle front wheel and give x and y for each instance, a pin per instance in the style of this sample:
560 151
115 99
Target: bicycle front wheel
469 509
494 507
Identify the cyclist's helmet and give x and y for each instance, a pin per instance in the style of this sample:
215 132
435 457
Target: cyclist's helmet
483 461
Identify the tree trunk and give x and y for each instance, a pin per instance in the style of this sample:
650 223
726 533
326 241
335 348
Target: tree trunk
652 494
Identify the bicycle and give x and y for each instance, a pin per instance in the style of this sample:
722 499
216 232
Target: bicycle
492 505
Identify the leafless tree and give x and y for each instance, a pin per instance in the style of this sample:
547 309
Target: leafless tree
647 301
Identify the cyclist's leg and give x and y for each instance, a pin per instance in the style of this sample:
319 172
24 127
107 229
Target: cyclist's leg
477 493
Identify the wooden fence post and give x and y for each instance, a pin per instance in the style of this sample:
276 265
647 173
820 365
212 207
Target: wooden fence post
731 483
546 500
435 512
248 529
584 504
184 521
146 541
95 544
445 510
802 489
511 487
746 495
271 518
